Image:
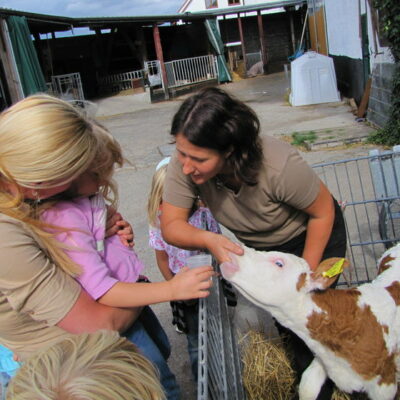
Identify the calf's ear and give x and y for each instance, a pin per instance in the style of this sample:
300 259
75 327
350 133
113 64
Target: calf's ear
328 271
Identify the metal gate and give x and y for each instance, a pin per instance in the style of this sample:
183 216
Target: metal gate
68 86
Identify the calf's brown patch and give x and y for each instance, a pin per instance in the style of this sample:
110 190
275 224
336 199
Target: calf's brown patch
352 333
301 281
394 291
384 264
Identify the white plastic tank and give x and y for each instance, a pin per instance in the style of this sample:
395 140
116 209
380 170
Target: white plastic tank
313 80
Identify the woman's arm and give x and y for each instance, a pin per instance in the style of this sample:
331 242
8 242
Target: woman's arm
186 284
163 265
177 231
319 227
86 315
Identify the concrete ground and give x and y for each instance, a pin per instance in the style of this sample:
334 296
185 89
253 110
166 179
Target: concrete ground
143 130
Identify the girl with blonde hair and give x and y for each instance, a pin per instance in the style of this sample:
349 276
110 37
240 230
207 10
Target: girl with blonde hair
99 365
110 270
69 158
171 259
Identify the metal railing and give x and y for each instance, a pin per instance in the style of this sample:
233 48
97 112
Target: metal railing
191 70
122 81
368 188
67 86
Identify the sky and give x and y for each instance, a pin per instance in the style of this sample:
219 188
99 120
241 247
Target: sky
95 8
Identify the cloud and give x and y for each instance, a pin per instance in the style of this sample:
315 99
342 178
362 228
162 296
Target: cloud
98 8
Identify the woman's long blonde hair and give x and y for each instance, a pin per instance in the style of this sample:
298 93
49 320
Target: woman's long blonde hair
48 141
88 366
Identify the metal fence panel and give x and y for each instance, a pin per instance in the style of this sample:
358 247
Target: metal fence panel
67 86
219 376
368 186
190 70
122 81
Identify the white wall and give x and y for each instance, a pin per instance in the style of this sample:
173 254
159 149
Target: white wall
199 5
344 31
342 20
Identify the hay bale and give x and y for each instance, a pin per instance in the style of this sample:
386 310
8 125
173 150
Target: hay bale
266 370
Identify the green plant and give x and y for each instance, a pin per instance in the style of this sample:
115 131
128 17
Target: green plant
389 11
299 138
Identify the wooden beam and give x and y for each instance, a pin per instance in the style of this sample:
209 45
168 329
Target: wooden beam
362 109
264 58
243 45
292 32
160 58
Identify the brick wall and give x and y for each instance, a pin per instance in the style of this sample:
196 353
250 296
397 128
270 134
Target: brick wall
277 36
381 92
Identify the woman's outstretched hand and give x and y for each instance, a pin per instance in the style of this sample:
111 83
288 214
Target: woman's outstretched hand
191 283
220 246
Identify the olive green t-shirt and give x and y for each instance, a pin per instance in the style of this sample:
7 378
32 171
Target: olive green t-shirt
265 215
34 293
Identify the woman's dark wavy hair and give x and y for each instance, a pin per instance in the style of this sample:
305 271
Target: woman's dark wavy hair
214 119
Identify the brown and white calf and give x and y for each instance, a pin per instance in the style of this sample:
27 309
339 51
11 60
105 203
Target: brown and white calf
353 333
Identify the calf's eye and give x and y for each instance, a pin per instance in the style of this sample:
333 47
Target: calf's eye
279 263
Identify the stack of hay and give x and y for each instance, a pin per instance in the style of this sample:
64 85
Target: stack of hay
266 370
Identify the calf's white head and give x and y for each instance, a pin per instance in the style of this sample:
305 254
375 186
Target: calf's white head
270 278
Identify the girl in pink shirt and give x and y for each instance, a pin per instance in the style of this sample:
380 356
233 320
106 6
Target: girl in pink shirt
110 270
171 259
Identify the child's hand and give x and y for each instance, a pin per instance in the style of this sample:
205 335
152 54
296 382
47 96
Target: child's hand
191 283
125 233
117 225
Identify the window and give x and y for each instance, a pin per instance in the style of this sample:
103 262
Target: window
211 4
233 2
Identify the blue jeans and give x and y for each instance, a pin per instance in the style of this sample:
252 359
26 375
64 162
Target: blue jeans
192 323
149 336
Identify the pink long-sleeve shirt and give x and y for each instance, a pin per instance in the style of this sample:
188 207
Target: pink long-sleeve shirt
104 261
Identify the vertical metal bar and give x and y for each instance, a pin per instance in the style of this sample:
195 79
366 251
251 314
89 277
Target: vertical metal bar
173 71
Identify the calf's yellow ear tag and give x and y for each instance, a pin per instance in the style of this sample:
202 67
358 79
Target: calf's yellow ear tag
336 269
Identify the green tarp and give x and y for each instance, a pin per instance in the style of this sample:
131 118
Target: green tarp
215 39
29 69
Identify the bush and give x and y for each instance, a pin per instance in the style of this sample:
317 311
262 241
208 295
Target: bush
389 11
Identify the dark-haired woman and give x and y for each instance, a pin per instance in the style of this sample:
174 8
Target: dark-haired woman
259 188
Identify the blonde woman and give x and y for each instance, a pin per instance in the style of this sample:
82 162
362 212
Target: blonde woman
99 365
47 151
